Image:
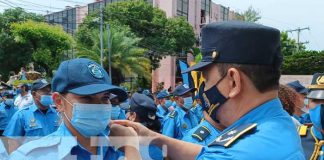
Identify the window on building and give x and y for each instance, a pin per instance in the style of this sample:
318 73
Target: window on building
224 13
182 8
205 11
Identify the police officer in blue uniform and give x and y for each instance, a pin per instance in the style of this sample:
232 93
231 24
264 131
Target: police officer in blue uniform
241 66
81 91
301 112
164 102
117 112
7 109
143 110
198 109
34 121
206 132
182 119
312 137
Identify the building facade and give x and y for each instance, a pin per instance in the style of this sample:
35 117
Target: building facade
69 18
197 12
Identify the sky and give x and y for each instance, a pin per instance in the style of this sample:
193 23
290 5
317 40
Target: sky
282 14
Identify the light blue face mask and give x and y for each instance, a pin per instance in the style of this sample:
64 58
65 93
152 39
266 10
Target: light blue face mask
90 119
46 100
168 103
317 115
187 102
125 105
115 111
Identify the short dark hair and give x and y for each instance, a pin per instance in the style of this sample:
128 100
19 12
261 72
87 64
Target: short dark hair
264 77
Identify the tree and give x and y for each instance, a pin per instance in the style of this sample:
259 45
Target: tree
289 46
126 57
14 55
251 15
160 35
47 42
305 62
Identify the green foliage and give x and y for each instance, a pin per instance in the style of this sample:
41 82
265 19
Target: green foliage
251 15
160 35
14 55
304 63
289 46
126 57
47 42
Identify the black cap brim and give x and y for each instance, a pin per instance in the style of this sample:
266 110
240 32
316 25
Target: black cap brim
197 67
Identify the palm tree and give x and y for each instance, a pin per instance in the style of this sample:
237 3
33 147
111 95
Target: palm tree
127 59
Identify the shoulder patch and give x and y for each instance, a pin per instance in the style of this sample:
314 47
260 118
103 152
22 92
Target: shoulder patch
302 130
201 133
173 114
227 138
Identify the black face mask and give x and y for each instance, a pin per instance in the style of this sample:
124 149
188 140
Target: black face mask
212 99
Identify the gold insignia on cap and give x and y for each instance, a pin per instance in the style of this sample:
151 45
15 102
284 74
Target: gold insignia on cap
215 55
320 80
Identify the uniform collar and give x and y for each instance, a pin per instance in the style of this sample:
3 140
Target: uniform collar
68 141
34 108
269 109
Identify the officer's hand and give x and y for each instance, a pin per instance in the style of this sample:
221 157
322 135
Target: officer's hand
121 136
140 129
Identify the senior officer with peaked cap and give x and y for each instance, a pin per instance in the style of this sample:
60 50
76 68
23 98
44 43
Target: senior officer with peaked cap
241 66
312 137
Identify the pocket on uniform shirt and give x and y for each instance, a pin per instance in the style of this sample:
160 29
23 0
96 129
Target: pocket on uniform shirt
34 130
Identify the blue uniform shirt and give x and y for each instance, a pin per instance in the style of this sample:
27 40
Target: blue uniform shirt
275 137
161 113
151 152
60 145
203 134
32 122
198 110
178 123
6 112
3 151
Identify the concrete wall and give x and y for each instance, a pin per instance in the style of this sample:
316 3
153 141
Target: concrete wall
303 79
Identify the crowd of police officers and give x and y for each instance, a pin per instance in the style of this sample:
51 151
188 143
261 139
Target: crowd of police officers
234 114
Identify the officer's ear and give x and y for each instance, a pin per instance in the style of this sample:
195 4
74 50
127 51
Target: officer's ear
234 82
58 100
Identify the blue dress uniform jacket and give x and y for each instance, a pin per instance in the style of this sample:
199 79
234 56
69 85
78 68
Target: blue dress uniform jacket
178 123
198 110
60 145
266 132
203 134
312 141
161 113
31 122
6 112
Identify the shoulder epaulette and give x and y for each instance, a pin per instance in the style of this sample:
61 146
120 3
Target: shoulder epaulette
302 130
227 138
201 133
173 114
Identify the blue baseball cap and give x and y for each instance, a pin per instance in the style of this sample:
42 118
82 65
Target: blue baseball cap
39 84
162 94
83 76
297 87
182 89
